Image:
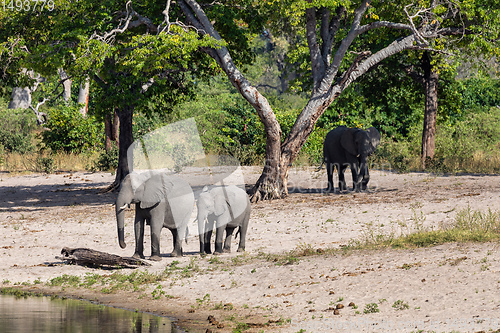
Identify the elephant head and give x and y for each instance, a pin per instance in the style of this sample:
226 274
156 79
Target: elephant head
216 202
360 143
146 189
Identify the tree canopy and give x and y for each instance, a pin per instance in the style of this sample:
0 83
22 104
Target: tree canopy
128 49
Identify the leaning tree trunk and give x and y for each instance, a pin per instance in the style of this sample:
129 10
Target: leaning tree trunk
279 157
431 78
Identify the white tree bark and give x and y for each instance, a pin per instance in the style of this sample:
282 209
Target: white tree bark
66 82
20 99
83 97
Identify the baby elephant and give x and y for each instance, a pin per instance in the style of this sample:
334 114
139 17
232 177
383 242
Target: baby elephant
227 206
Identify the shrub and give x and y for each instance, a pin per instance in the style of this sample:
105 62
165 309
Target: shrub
107 160
69 131
471 145
242 134
17 130
401 156
45 164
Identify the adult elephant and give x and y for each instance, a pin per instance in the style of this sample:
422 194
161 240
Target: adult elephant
161 200
345 147
228 207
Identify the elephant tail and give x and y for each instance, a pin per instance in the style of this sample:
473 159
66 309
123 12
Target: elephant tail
237 232
321 166
187 234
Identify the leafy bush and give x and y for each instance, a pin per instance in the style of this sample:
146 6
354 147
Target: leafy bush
17 130
45 164
471 145
479 92
242 133
107 160
395 155
69 131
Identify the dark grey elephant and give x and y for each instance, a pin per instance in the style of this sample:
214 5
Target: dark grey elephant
345 147
228 207
161 200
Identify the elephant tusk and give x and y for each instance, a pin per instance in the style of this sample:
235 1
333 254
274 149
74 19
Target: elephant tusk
124 206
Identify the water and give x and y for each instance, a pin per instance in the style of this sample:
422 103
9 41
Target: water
43 315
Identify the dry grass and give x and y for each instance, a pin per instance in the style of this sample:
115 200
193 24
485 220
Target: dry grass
468 226
44 162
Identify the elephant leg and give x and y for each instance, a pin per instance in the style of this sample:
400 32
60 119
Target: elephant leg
355 176
227 241
178 236
139 236
155 240
207 236
341 170
208 233
365 176
243 230
329 173
219 234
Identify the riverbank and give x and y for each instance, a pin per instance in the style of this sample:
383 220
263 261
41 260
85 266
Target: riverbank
270 288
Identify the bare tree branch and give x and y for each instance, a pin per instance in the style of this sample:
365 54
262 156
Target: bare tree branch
329 38
41 117
385 24
317 64
332 70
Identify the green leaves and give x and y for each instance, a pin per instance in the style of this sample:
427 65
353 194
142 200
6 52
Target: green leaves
69 131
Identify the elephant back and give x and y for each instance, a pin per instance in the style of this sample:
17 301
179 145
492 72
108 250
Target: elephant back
180 198
236 197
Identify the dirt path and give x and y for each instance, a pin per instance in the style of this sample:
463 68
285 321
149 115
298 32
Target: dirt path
443 288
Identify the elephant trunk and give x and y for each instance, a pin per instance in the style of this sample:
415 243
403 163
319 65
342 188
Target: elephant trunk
120 207
201 229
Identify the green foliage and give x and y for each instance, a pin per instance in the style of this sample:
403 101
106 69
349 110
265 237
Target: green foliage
479 93
371 308
471 145
71 132
17 130
107 160
242 133
400 305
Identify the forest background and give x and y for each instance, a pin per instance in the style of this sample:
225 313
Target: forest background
467 131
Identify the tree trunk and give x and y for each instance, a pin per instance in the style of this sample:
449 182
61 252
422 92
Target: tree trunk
111 130
279 157
93 258
126 139
83 97
21 98
66 84
431 78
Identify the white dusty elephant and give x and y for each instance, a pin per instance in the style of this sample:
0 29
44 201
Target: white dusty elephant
161 200
345 147
228 207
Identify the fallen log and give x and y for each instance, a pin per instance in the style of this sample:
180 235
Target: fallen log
89 257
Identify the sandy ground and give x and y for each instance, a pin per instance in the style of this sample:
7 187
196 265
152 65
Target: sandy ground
452 287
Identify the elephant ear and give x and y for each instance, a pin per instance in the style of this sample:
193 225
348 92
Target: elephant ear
156 189
374 136
222 202
348 142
